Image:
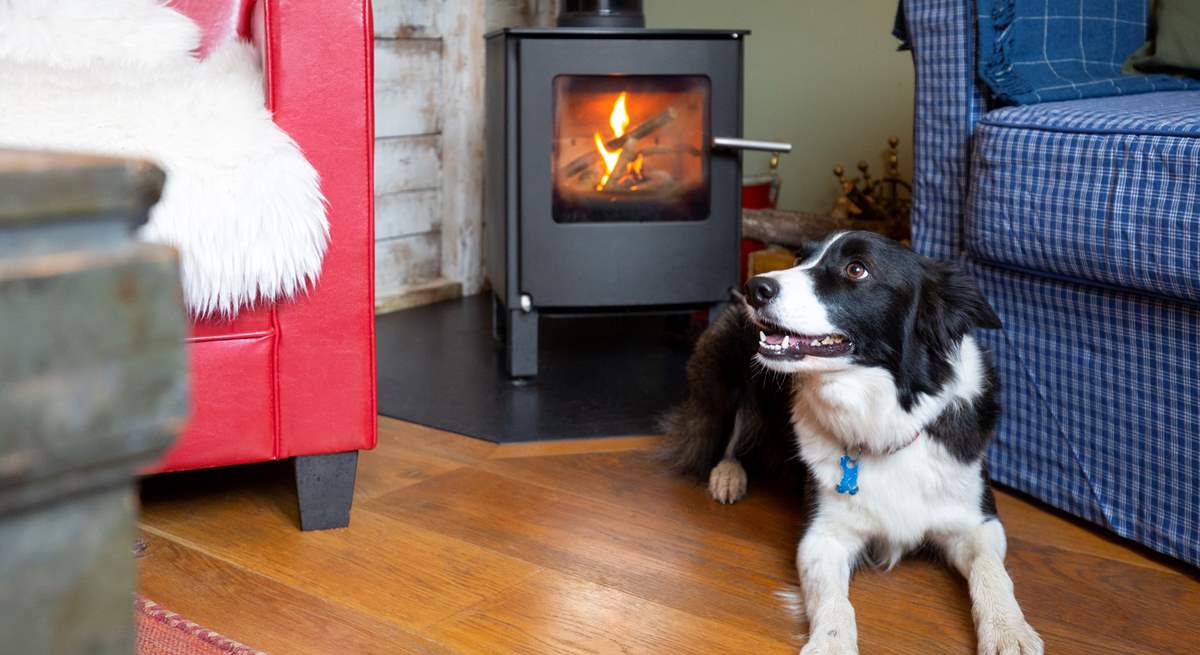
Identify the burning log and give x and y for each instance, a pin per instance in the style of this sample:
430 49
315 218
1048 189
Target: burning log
628 154
676 150
583 162
645 129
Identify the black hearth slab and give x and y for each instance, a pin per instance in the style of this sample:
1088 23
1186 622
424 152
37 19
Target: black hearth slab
598 376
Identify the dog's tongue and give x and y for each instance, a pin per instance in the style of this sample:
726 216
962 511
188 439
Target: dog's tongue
774 339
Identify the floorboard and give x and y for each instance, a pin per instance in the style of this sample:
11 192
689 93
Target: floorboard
556 613
259 610
588 546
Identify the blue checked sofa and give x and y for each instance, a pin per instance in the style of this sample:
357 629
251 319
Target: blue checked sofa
1080 220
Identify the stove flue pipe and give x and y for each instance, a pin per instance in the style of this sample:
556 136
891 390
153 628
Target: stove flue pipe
601 13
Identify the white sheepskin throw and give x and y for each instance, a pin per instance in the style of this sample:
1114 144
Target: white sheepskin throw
118 77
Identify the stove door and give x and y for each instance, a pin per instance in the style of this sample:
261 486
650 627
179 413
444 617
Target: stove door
630 148
622 201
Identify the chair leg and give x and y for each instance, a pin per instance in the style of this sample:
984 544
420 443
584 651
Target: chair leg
325 487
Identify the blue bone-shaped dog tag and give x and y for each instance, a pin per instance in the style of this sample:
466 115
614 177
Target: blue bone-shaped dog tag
849 483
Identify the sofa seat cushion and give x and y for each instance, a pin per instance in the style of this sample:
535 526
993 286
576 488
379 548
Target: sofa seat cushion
1104 190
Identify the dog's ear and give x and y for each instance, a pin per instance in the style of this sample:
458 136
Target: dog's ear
805 250
948 306
952 305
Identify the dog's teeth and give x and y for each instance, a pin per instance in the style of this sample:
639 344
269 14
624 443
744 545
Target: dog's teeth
815 342
786 342
762 336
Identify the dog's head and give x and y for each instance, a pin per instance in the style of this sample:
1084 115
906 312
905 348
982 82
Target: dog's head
859 299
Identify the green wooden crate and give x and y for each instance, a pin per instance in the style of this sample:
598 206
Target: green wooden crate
92 388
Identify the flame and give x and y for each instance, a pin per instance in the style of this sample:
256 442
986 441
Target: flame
618 120
610 160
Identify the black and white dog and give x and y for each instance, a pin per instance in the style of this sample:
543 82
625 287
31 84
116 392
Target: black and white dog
862 355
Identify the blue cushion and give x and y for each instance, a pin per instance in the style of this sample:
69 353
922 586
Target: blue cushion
1034 51
1105 190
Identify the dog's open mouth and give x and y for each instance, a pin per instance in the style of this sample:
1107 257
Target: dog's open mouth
778 344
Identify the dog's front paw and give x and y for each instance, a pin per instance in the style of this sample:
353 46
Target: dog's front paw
727 481
829 645
1009 636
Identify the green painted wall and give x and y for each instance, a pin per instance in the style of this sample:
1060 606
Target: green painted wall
822 74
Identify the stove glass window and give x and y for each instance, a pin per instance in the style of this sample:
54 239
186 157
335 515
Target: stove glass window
630 148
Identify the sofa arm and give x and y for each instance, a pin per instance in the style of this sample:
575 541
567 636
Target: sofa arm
949 102
318 65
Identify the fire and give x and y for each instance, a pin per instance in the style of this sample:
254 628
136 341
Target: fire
618 120
610 160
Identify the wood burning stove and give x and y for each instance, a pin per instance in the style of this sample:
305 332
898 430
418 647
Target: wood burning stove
612 173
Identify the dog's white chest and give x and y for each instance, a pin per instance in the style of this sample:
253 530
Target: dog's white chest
902 498
906 489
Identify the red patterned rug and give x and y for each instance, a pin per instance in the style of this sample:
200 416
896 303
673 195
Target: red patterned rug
161 632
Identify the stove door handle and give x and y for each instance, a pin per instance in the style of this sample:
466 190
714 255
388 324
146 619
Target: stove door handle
733 143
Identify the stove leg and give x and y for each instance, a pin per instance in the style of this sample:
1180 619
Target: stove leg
715 311
522 342
499 319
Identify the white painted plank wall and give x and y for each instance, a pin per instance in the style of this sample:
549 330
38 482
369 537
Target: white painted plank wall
408 160
464 24
407 213
405 19
407 163
429 143
408 87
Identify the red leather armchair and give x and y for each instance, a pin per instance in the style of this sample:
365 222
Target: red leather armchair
297 379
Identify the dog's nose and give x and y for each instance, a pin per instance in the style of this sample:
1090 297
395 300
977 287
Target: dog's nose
761 290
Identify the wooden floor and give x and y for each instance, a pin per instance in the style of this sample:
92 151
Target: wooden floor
460 546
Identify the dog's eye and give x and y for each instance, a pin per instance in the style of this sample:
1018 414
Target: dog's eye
856 271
